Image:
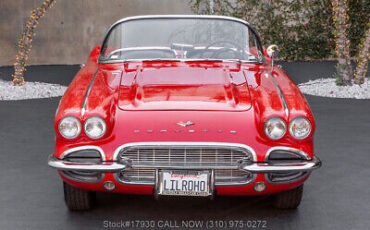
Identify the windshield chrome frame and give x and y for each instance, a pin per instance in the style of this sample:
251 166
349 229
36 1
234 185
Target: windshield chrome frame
259 44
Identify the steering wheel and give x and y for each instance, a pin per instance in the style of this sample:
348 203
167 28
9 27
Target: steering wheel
237 52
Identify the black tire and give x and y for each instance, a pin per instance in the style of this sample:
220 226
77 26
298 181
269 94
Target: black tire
78 199
289 199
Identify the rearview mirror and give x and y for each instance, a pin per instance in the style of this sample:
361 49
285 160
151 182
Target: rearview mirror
273 51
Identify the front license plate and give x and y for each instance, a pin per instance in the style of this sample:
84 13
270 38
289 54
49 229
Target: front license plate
184 183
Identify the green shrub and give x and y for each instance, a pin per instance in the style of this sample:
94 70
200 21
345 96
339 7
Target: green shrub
359 13
302 28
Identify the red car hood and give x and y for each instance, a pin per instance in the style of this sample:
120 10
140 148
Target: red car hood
184 88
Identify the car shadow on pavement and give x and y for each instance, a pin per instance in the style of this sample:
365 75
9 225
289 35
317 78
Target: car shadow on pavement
143 206
115 208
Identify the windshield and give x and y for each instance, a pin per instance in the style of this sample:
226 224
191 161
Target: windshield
180 39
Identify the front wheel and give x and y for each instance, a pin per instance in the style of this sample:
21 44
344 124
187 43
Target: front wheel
78 199
289 199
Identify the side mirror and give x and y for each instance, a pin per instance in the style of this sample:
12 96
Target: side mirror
273 51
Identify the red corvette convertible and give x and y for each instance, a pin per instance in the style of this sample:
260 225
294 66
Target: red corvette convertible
183 106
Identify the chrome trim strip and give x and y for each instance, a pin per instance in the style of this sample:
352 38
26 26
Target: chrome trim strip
285 105
156 183
213 184
295 167
102 167
83 108
297 151
194 144
176 60
178 16
86 147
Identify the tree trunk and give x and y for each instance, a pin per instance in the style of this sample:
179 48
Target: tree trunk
363 59
24 44
343 67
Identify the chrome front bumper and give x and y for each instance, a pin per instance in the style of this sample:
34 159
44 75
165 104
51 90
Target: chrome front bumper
253 167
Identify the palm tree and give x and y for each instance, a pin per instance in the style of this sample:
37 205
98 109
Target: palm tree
344 68
24 44
340 17
363 58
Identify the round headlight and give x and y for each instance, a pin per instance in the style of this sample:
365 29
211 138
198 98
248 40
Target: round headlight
300 127
69 127
95 127
275 128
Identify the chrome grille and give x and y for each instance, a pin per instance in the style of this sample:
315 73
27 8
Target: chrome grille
146 158
222 176
185 156
137 176
232 176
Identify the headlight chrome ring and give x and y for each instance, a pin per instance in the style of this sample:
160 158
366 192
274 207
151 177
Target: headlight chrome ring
95 127
69 127
300 128
275 128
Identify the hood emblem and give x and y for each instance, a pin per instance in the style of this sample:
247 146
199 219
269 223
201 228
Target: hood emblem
185 124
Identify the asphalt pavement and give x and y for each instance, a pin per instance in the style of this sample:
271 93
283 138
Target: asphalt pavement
336 196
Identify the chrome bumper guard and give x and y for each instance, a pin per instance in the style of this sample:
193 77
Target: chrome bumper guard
107 166
253 167
305 166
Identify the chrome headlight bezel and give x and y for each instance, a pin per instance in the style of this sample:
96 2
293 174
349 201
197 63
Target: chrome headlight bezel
76 122
275 121
294 122
97 120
